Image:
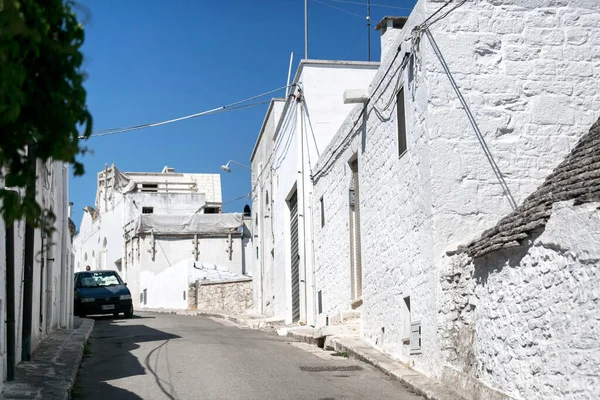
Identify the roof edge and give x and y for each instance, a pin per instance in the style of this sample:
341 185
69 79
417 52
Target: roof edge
263 125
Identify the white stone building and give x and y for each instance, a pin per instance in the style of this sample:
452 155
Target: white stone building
285 158
263 252
519 305
161 231
406 180
41 267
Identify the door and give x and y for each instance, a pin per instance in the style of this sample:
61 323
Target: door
295 257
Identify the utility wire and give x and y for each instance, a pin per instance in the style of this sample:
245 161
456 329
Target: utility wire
480 137
233 106
362 32
446 13
372 5
236 199
339 9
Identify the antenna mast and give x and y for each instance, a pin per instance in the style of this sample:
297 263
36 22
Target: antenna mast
306 29
369 30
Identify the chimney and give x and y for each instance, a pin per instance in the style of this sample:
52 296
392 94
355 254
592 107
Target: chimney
390 29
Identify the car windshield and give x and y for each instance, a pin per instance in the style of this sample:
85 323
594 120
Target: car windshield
99 279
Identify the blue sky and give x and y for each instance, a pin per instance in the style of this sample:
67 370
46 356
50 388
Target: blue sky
153 60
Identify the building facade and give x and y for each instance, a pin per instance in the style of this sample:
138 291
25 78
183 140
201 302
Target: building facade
418 169
37 297
307 121
161 231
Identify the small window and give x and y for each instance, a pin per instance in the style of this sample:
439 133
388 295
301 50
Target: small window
406 320
267 197
401 122
150 187
147 210
322 212
211 210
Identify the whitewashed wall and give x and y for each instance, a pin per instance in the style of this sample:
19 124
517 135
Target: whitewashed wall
172 251
51 296
167 289
261 249
530 73
528 326
323 84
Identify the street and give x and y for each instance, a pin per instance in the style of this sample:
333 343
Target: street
164 356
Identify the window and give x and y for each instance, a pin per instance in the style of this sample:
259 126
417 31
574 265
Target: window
322 212
267 198
401 122
406 320
150 187
211 210
147 210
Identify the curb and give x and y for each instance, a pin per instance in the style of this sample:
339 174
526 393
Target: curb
52 371
413 380
85 330
262 324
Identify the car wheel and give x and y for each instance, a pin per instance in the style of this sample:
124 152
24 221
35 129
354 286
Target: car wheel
129 313
116 315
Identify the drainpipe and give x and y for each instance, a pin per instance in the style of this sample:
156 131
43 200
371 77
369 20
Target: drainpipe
302 198
10 303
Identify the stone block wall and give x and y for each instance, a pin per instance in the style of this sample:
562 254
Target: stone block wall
530 72
524 320
233 297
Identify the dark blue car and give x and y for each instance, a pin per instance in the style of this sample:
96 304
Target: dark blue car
101 292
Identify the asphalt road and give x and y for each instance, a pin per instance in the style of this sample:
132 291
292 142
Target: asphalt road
163 356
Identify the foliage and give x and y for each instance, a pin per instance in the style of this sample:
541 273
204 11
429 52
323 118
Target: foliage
42 100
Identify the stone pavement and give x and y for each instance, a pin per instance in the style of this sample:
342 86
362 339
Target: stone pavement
52 371
342 340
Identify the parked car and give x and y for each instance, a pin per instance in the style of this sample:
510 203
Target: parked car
101 292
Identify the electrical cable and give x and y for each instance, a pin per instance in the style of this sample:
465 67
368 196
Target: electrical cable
471 119
372 5
447 12
339 9
236 199
232 106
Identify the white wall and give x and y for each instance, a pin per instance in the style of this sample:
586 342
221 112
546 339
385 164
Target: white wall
531 79
529 327
167 289
322 111
261 248
172 251
50 297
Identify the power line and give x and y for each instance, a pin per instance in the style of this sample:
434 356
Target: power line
373 5
229 107
236 199
339 9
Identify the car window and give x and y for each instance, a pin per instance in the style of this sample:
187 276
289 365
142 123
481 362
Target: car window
99 279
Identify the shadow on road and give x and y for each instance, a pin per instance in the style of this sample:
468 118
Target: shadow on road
110 356
107 391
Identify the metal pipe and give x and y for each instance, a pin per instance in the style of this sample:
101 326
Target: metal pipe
10 303
306 29
369 30
287 87
303 199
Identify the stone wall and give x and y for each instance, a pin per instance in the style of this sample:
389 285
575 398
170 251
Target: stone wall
529 71
524 320
233 297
